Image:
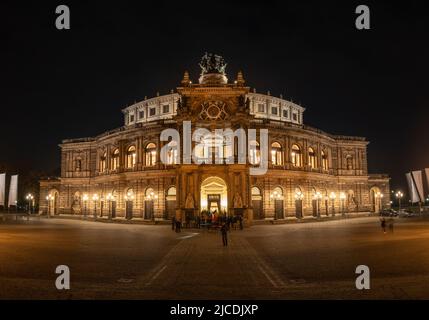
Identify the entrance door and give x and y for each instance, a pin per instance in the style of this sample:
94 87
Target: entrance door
113 209
213 201
170 209
314 205
148 209
298 208
278 209
129 210
257 209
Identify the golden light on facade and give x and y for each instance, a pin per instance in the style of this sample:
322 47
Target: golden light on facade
317 196
299 195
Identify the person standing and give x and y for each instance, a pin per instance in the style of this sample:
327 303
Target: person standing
178 226
383 224
173 223
224 231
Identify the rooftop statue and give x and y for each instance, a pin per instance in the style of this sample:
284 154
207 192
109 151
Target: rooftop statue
212 63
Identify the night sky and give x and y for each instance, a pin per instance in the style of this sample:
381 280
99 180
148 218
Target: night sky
73 83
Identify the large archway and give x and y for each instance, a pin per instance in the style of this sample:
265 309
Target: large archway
214 195
375 198
53 202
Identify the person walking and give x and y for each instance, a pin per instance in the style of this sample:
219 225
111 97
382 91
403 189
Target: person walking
173 223
224 231
240 220
383 224
178 226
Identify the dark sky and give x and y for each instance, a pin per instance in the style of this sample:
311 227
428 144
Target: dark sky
66 84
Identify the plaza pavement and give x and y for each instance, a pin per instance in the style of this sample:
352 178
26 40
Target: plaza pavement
314 260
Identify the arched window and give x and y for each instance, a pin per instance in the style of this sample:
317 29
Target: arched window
349 162
115 160
129 195
276 154
171 193
150 154
256 193
103 166
254 153
277 193
131 157
172 153
324 160
311 158
296 156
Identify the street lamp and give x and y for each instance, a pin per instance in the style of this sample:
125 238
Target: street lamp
399 196
85 201
343 199
49 198
30 200
102 203
109 198
95 199
333 196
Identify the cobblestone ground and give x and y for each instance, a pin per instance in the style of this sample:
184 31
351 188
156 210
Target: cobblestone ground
294 261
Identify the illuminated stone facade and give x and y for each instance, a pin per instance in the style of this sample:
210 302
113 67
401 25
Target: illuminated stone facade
119 174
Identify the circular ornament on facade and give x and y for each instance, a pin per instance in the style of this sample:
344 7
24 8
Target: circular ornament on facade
213 110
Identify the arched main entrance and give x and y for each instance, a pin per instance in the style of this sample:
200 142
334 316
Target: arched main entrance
214 195
375 198
53 202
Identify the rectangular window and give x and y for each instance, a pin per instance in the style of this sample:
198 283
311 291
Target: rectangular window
285 114
295 117
274 110
152 111
141 114
166 108
131 118
261 108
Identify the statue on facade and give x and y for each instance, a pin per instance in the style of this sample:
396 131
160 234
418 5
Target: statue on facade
189 203
247 105
241 102
238 202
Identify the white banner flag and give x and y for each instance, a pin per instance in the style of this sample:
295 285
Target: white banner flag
412 188
2 188
427 178
13 191
418 180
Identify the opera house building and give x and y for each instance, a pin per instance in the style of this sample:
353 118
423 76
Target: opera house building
132 172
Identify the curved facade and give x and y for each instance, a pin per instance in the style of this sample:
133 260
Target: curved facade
120 174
